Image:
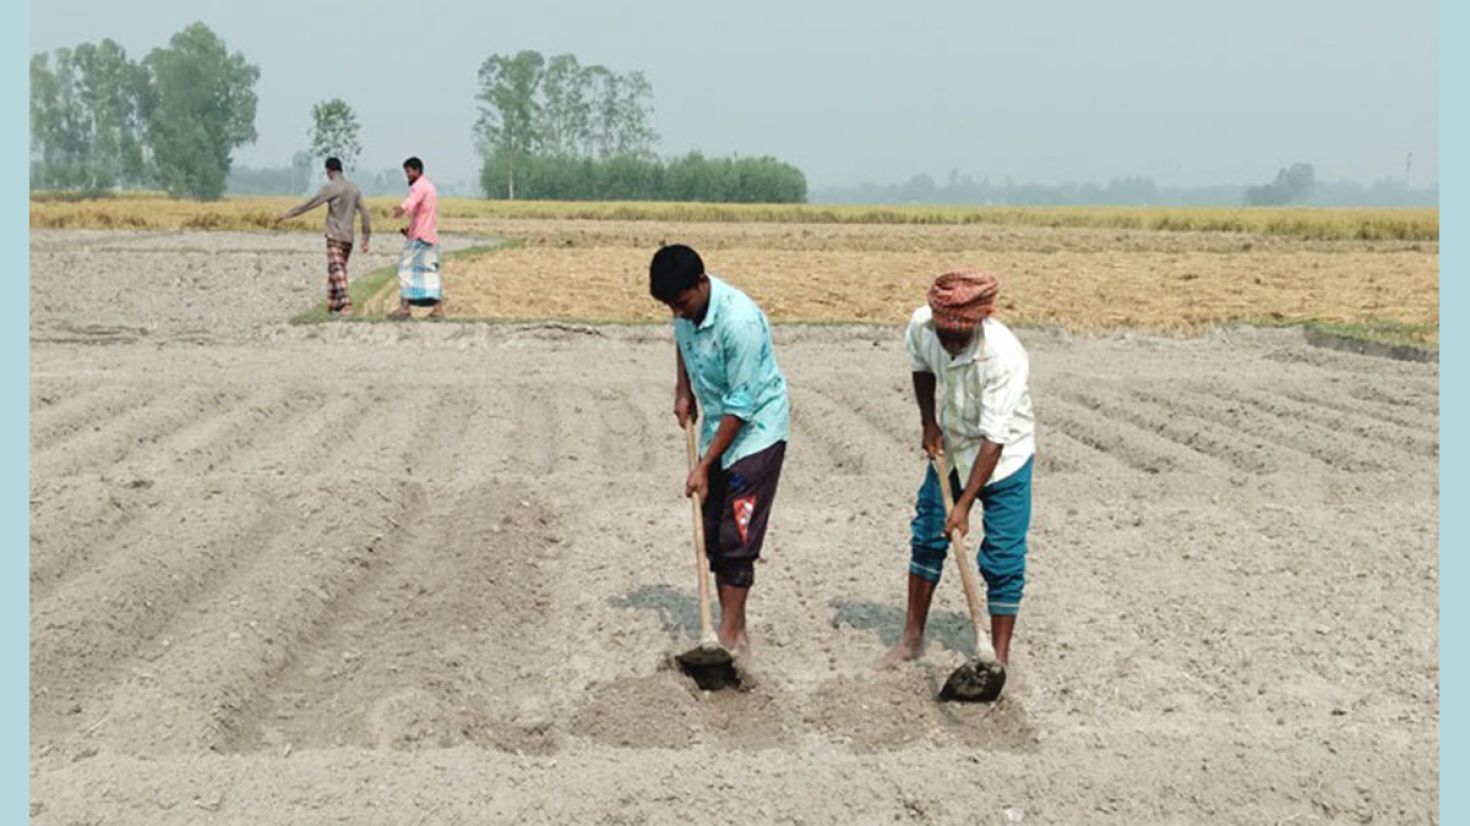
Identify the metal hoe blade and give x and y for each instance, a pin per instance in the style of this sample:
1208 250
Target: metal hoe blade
712 667
975 682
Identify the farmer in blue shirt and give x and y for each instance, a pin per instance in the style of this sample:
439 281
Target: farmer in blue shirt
726 363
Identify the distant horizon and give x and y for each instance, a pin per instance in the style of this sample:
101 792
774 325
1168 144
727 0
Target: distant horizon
1414 186
1328 192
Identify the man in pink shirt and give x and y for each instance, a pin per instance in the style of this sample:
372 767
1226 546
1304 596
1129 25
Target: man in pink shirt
419 283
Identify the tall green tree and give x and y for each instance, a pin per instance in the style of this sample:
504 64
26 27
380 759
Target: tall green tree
534 107
86 118
54 136
115 91
623 107
201 109
509 110
334 132
564 125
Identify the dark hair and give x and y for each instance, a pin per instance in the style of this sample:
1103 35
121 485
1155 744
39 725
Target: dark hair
414 163
334 165
675 269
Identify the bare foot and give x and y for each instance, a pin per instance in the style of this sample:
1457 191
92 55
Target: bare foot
907 649
739 646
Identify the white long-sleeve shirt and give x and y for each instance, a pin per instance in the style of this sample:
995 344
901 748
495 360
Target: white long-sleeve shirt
982 393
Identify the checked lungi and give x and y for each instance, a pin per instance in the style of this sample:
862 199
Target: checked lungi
418 272
337 254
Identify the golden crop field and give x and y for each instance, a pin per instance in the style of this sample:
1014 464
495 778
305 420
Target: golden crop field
1083 270
153 211
1065 278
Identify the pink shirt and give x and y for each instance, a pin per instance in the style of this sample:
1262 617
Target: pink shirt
422 208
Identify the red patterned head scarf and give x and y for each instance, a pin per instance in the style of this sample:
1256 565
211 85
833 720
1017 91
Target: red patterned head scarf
961 299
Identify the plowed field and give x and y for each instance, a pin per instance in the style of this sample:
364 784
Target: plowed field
432 573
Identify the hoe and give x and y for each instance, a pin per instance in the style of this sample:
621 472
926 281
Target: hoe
709 663
981 679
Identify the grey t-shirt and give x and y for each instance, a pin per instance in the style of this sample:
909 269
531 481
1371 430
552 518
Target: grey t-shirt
343 200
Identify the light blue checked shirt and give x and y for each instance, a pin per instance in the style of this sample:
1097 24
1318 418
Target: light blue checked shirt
732 369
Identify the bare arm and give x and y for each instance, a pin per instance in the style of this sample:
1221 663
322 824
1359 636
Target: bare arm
724 436
959 518
686 409
980 471
933 438
1005 386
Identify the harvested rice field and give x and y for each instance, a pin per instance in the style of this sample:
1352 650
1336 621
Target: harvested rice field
1078 280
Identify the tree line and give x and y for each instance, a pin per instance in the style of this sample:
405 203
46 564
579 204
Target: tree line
634 178
1294 185
548 128
100 120
553 129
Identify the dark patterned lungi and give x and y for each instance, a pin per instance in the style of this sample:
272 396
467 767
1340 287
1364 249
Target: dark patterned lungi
337 254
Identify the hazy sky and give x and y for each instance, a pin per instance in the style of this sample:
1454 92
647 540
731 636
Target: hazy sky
1186 93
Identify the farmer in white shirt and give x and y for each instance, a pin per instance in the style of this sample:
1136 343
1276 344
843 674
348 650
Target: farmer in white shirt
977 370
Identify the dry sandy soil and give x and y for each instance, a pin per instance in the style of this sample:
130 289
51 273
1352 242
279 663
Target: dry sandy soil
432 573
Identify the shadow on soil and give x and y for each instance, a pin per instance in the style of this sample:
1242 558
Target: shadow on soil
678 611
950 629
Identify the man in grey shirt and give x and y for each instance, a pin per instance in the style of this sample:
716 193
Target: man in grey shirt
343 200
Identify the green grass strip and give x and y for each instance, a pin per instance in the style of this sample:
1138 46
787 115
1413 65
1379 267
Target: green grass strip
364 289
1391 333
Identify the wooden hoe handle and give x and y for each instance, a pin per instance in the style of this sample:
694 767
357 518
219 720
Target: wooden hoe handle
983 647
707 636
